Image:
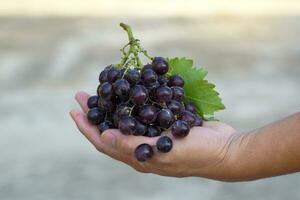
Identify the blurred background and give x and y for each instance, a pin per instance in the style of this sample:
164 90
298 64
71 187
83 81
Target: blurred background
51 49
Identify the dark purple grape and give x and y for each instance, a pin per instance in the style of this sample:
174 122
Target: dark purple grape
147 114
147 66
162 80
105 91
198 121
152 131
164 144
149 77
163 94
140 128
175 80
190 106
153 86
188 117
139 94
175 106
121 87
127 125
160 65
115 119
103 75
103 126
164 118
133 76
106 105
180 129
95 116
92 102
122 110
113 74
143 152
178 93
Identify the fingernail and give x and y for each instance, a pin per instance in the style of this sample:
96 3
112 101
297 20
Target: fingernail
108 138
73 113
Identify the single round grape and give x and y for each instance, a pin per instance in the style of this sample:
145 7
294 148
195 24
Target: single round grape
178 93
152 131
140 128
139 94
147 114
127 125
153 86
121 87
176 80
149 77
164 118
103 126
106 105
103 74
189 106
122 110
175 106
163 94
147 66
180 129
143 152
188 117
92 102
160 65
198 121
164 144
133 76
95 116
113 74
105 91
162 80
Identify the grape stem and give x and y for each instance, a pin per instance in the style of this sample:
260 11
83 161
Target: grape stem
134 49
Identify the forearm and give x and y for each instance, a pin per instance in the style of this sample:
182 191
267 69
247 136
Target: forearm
269 151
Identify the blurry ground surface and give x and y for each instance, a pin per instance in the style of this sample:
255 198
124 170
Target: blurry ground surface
253 61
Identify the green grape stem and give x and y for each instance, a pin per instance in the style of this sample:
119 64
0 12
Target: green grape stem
134 49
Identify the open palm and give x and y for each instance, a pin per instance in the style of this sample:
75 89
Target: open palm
203 153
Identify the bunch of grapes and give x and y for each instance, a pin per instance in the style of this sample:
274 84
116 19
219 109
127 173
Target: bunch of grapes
143 101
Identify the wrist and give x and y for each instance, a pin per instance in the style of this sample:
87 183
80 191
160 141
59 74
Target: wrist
236 162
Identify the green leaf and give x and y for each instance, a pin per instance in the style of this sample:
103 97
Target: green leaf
197 90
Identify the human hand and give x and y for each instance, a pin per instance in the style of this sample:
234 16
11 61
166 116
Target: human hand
205 152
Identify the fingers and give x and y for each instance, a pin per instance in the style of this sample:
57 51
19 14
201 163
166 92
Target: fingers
89 131
82 98
125 144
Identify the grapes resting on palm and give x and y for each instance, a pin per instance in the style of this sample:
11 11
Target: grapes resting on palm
180 129
165 118
103 126
143 152
143 102
164 144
